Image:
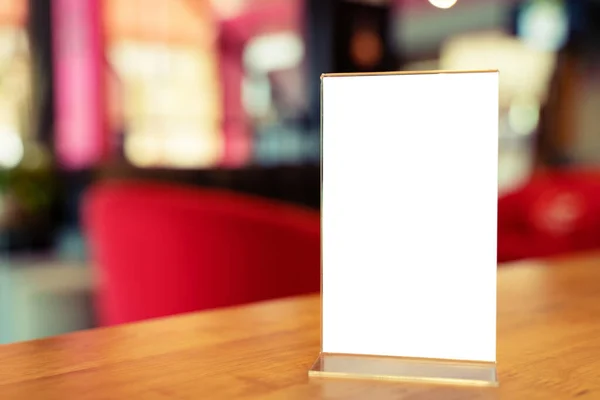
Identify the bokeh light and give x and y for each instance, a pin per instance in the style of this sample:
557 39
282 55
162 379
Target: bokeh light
443 3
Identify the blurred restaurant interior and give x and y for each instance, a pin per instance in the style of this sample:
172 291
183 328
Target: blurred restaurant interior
127 125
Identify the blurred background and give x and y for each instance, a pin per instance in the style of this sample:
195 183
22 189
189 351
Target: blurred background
162 156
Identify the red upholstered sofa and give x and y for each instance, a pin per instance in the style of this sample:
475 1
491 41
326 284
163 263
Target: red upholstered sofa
161 249
556 212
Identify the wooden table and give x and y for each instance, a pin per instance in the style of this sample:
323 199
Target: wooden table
548 348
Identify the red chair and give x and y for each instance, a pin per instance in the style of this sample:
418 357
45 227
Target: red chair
161 249
556 212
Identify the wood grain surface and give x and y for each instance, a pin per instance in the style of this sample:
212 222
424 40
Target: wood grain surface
548 348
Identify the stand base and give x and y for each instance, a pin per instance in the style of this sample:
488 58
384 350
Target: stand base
405 369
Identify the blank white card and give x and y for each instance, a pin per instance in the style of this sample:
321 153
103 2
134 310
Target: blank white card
409 214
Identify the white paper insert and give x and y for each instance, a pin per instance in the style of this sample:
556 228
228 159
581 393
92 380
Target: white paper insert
409 215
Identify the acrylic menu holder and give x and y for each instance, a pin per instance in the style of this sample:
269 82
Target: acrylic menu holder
409 218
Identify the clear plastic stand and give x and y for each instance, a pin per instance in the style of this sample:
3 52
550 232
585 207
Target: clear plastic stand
402 276
405 369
